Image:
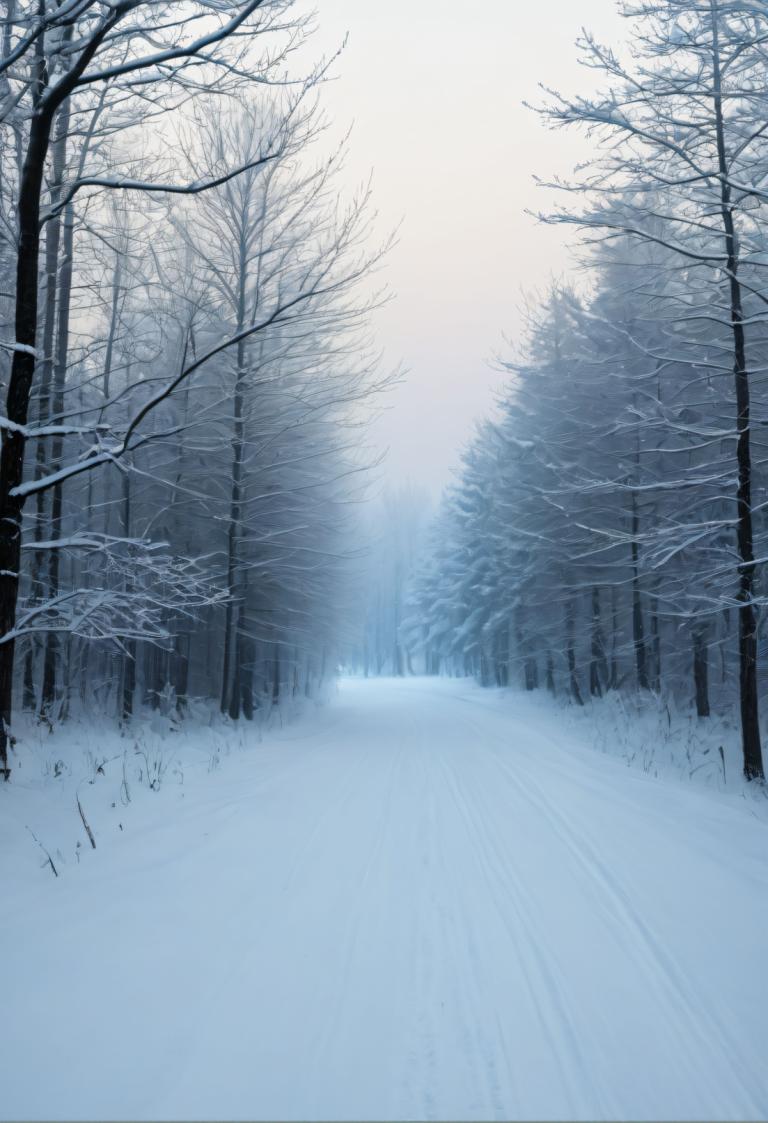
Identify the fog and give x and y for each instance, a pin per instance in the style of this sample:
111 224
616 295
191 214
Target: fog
436 97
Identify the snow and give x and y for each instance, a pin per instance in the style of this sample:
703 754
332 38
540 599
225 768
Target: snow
421 901
662 737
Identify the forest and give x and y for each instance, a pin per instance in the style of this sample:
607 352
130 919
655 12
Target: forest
189 372
186 359
608 528
396 779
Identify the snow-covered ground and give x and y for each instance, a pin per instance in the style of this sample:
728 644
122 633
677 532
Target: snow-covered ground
421 901
659 736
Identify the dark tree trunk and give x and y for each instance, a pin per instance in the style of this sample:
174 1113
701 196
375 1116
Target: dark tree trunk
129 680
153 673
52 644
701 671
597 662
24 355
52 243
276 674
129 644
550 672
750 728
230 677
245 659
246 695
571 654
229 687
181 666
236 689
17 408
638 628
655 675
613 680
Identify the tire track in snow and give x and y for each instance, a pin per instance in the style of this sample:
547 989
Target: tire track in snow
456 930
446 1006
225 976
658 965
342 990
507 893
420 1077
328 811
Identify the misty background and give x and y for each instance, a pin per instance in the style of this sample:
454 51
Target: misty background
436 100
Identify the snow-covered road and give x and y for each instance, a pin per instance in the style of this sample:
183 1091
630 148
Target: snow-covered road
416 907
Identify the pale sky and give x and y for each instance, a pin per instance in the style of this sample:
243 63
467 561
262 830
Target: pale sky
434 90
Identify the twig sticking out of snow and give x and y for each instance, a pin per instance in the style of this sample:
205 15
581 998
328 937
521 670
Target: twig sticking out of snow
48 856
88 830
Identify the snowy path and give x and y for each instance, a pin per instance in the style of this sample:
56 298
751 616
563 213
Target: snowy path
419 908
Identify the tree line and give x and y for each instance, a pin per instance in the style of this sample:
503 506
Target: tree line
608 530
185 358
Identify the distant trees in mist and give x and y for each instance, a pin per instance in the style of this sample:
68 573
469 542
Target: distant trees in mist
392 534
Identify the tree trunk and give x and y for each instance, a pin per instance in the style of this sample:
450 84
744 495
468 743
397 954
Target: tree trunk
701 671
550 672
613 680
230 677
51 657
52 243
276 675
571 654
17 408
129 656
638 629
597 648
245 658
655 676
748 698
233 709
24 354
181 670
